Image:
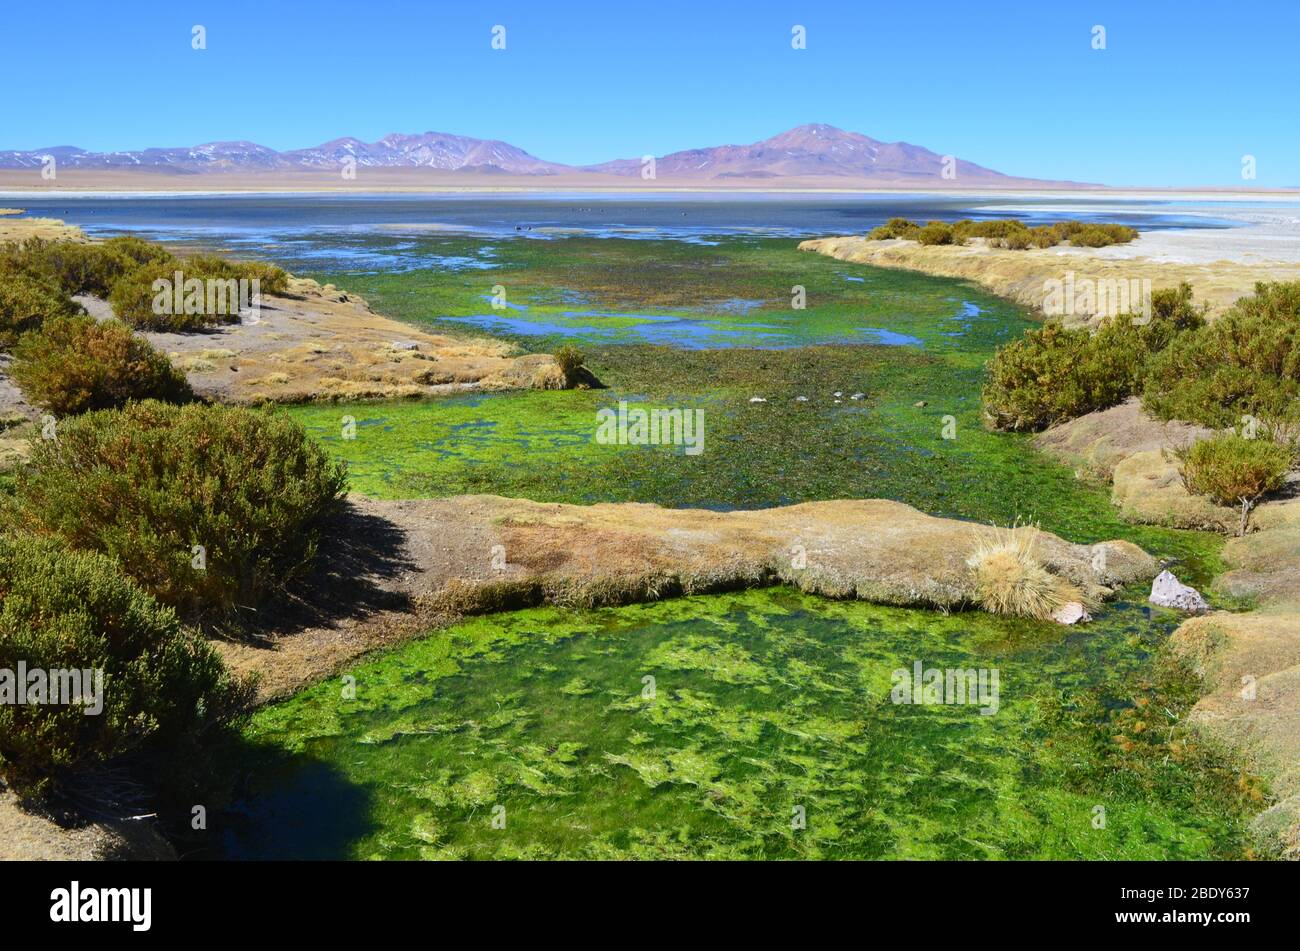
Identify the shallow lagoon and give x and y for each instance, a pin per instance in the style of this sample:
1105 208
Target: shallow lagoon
760 704
764 701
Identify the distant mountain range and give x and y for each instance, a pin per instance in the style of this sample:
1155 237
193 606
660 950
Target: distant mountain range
807 151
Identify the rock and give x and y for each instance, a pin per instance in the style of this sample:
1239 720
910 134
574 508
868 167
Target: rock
920 403
403 345
837 393
1071 613
1168 592
858 396
757 399
801 399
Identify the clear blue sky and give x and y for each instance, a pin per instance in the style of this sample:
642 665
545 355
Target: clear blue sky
1182 92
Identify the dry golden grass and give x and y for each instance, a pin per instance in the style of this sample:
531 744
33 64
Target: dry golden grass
1008 577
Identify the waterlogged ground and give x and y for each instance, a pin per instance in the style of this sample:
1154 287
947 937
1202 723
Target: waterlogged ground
839 420
706 727
728 292
764 702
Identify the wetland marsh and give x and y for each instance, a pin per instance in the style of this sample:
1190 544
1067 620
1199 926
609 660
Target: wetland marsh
529 734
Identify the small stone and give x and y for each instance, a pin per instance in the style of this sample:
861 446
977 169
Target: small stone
858 396
757 399
919 403
1168 592
403 345
837 393
1072 612
801 399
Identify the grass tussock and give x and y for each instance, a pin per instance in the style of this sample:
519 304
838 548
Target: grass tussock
1009 578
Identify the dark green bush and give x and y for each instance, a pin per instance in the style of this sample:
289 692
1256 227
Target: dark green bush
149 482
1101 235
75 364
27 301
895 228
1053 374
85 268
65 610
1006 233
145 298
935 232
1245 363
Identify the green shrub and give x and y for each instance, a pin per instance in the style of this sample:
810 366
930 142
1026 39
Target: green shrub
1233 470
895 228
935 232
76 364
1245 363
85 268
67 610
137 251
1006 233
27 301
145 298
149 482
1053 374
1101 235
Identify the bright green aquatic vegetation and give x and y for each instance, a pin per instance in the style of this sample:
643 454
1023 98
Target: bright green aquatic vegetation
741 292
762 704
766 702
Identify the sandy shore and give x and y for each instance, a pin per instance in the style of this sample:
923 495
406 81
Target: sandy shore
1221 264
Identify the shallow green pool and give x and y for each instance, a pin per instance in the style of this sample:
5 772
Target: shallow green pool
710 727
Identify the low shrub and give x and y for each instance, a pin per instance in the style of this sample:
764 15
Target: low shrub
1233 470
27 301
935 232
1053 374
1006 233
75 364
209 508
1101 235
64 610
895 228
192 293
1245 363
85 268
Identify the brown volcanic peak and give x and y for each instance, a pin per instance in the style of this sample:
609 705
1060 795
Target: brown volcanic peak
811 150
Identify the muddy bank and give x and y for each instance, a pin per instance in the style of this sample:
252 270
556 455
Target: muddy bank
1021 275
404 567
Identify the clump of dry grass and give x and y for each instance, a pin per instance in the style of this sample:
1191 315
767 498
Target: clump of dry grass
1009 578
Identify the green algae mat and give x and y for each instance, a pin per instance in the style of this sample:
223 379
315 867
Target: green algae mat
755 725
